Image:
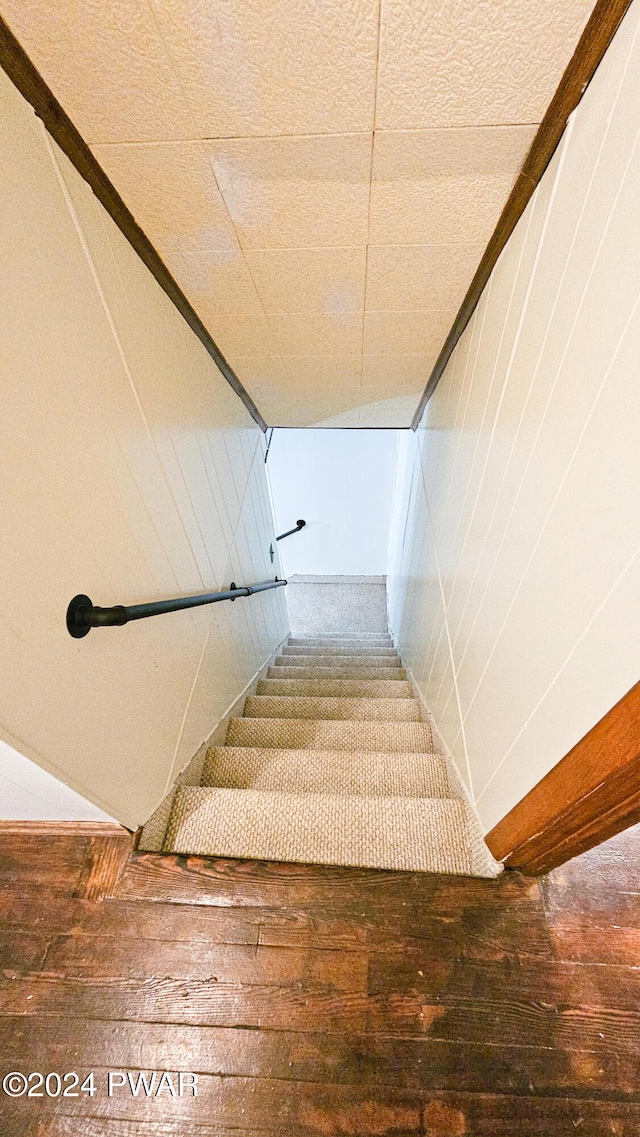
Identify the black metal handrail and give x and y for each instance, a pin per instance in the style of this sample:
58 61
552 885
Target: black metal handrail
83 615
299 525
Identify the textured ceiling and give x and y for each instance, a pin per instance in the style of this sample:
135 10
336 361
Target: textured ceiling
321 177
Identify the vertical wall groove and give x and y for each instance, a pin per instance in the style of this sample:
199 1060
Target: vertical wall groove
523 620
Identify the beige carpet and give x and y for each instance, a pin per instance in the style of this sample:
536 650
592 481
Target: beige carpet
310 734
369 774
331 764
285 672
348 661
328 604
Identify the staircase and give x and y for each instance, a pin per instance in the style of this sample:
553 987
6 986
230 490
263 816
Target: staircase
332 763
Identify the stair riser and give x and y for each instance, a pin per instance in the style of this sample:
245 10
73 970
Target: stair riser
329 734
337 661
298 641
395 674
353 651
332 636
353 688
287 707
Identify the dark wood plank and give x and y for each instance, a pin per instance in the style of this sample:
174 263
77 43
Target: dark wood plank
595 906
609 946
11 829
215 881
22 951
19 68
594 41
485 933
246 1103
554 984
302 1108
130 920
60 1126
590 795
488 932
295 1006
412 1064
106 860
507 1020
488 1115
98 956
561 1118
37 862
81 858
318 1000
599 889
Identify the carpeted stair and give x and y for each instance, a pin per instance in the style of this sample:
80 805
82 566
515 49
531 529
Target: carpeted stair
332 764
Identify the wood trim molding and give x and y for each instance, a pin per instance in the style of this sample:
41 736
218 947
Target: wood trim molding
33 88
105 862
108 848
592 45
64 828
592 794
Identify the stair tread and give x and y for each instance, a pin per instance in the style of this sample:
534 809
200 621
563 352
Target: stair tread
292 706
338 660
339 641
362 688
371 774
395 674
341 635
338 649
420 834
331 734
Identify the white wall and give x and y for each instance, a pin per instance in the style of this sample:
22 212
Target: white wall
340 482
29 793
130 471
516 577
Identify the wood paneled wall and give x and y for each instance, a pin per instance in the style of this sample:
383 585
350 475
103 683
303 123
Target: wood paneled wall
131 471
514 592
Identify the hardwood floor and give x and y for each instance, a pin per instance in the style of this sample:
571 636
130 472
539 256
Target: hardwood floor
316 1001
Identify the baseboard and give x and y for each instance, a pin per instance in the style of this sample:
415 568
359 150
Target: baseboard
107 848
64 828
154 829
